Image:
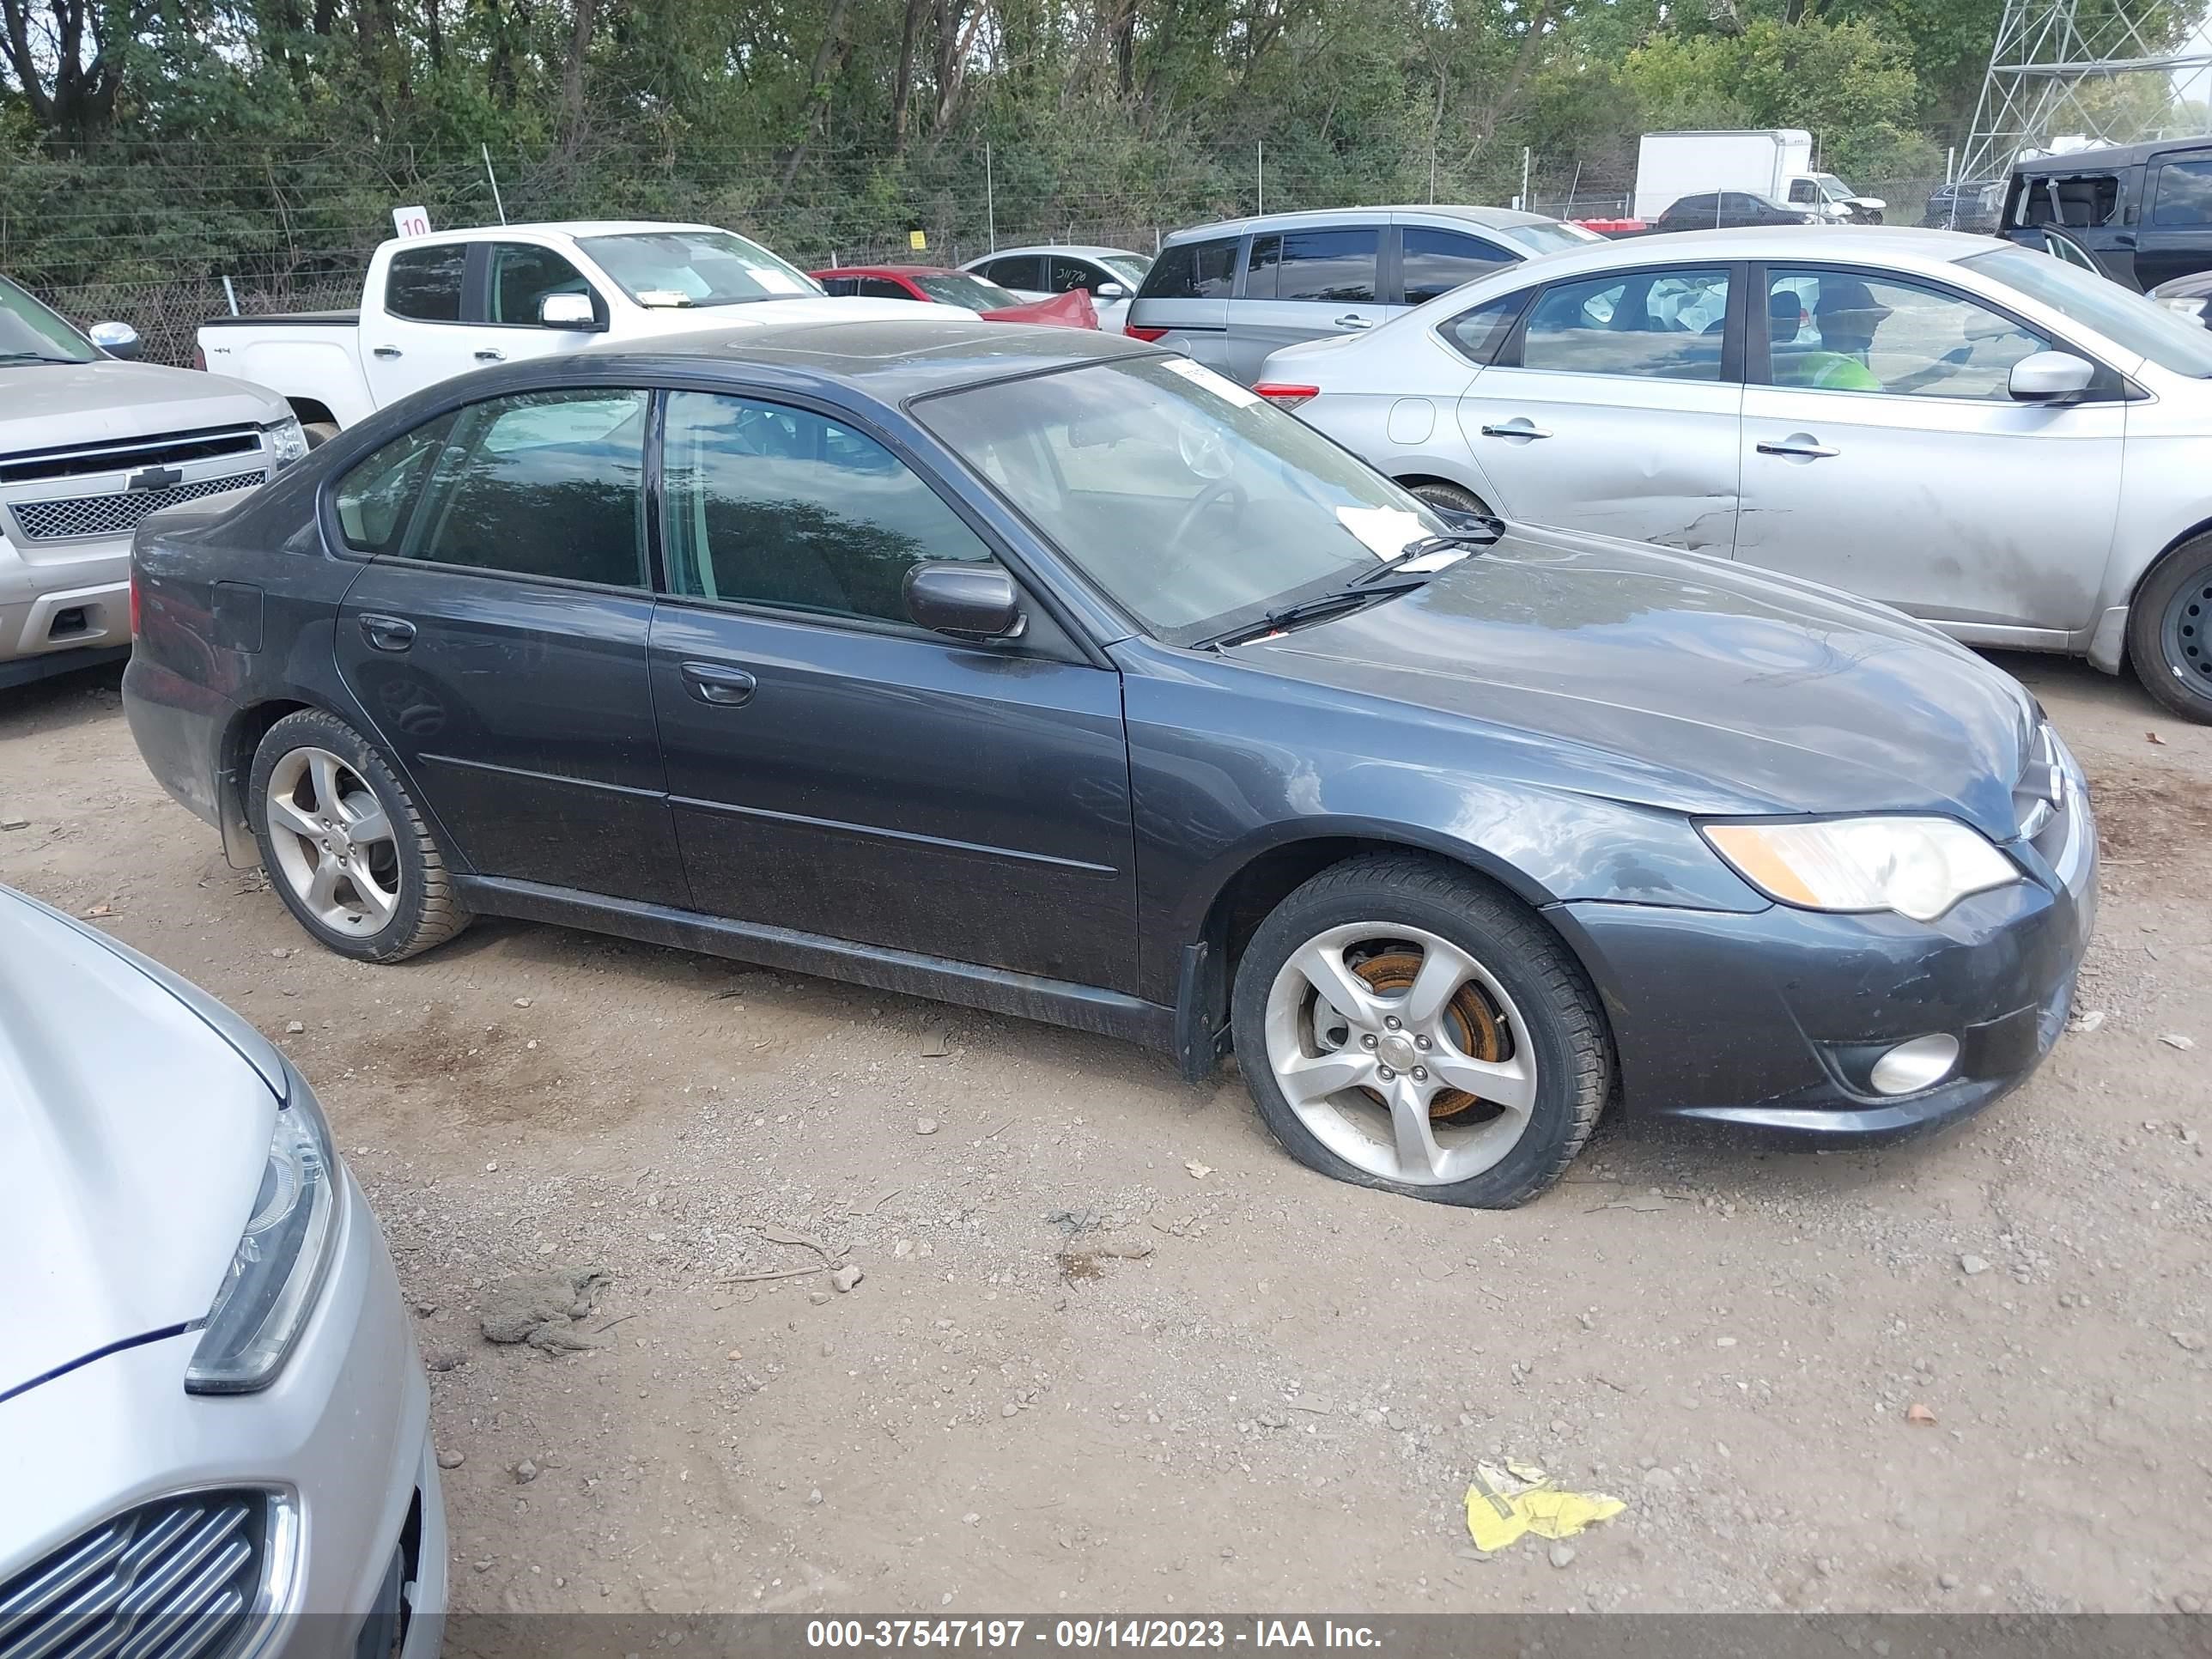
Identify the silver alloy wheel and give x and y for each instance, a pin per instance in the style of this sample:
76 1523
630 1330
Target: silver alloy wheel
1378 1065
333 842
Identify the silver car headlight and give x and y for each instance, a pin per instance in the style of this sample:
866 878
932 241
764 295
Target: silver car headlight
1918 867
287 442
277 1272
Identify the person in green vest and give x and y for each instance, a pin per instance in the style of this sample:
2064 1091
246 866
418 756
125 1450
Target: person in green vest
1848 314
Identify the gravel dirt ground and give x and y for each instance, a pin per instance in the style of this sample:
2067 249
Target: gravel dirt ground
1113 1349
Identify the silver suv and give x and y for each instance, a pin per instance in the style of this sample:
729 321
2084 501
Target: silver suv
89 445
1229 294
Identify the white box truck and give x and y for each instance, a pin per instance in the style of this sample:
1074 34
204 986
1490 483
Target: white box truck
1776 163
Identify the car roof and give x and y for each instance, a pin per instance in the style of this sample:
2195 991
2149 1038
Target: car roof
887 359
1077 250
575 228
1408 213
2108 155
1829 244
886 270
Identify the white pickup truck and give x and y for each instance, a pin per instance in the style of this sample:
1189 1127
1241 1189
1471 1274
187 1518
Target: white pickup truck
441 305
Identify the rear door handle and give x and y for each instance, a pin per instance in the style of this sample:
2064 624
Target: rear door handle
491 354
1798 445
1352 319
393 634
712 683
1519 426
385 351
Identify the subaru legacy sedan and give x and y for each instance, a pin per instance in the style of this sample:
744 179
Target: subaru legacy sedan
1999 443
1045 673
213 1420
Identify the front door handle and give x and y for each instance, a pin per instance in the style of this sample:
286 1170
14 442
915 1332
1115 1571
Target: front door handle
1798 445
710 682
393 634
1519 426
385 351
491 354
1352 319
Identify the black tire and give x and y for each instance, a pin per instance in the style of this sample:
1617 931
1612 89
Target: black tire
427 913
1452 498
2170 630
318 432
1572 1047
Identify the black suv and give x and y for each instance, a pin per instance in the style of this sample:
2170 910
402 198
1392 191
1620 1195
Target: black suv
2144 213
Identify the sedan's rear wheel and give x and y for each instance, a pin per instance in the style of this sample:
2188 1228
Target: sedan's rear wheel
343 844
1404 1025
2170 630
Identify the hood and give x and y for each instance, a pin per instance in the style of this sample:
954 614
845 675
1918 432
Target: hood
1689 684
814 309
55 405
1073 309
135 1112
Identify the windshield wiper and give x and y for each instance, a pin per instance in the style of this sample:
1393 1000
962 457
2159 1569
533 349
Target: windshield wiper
33 357
1354 597
1421 546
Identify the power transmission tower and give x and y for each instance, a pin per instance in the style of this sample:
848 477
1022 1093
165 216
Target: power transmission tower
2064 69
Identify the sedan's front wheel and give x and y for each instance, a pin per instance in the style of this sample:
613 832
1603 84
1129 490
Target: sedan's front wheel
343 844
1403 1024
2170 630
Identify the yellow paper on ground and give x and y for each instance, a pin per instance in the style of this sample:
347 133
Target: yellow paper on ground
1503 1504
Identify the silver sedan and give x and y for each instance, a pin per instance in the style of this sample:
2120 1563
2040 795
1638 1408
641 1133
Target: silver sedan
1980 434
212 1416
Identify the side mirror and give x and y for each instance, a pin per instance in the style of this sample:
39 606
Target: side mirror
570 311
1109 291
116 339
2050 377
967 601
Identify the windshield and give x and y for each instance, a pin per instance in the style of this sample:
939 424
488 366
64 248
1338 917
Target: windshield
2122 316
1833 187
1546 238
668 268
1129 267
957 288
30 333
1193 504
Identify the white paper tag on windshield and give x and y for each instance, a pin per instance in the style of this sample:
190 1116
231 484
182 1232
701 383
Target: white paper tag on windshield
1385 530
774 281
1219 385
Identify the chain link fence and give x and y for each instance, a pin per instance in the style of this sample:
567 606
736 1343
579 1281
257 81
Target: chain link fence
165 238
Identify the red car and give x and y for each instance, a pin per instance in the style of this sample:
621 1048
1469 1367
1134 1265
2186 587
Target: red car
1073 309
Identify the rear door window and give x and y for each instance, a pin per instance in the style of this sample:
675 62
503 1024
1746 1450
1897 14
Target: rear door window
374 498
540 484
2184 193
1332 267
424 283
1016 271
1434 261
1652 324
1193 271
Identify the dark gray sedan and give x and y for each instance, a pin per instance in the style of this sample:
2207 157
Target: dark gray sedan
1047 673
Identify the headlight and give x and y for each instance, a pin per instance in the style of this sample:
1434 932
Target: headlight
271 1287
287 443
1918 867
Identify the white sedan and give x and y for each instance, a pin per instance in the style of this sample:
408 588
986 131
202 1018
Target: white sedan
1981 435
1109 275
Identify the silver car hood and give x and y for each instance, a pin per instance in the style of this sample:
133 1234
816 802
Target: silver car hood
134 1113
55 405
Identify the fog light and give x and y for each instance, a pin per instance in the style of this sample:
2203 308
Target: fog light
1911 1066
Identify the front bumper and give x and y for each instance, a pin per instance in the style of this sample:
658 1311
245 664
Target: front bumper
68 608
1772 1020
342 1436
